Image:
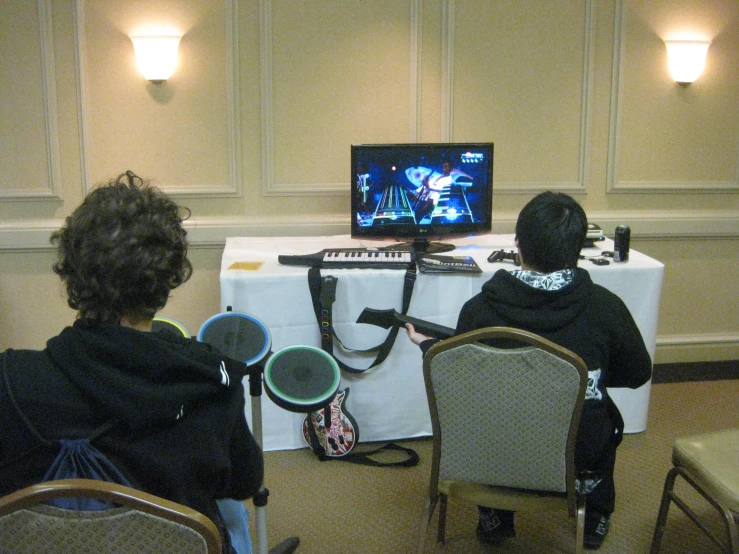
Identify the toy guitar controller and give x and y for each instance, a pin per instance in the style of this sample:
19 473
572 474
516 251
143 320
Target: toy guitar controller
391 318
335 434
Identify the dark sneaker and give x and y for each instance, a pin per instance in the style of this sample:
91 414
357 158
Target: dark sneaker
493 527
595 532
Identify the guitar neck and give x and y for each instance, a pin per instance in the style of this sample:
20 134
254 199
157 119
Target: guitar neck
426 327
393 318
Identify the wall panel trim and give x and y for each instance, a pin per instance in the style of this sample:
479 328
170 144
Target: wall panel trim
270 187
586 94
447 70
53 192
34 235
233 188
416 41
613 183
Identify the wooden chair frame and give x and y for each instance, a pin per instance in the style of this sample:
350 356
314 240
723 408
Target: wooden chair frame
574 503
117 494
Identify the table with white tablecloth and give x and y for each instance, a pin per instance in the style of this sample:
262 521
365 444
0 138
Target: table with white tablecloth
389 400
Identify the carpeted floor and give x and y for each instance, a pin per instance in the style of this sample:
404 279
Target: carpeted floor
342 508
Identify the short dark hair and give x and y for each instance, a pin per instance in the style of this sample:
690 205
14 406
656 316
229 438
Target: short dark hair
551 231
122 251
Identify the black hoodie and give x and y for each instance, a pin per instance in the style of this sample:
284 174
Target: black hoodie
178 407
583 317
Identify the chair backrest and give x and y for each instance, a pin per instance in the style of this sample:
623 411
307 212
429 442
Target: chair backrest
140 523
505 416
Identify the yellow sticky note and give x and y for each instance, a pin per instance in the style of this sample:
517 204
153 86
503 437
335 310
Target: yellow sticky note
246 266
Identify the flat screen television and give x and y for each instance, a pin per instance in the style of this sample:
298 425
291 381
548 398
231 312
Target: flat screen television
419 193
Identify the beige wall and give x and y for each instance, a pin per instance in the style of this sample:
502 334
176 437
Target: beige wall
253 130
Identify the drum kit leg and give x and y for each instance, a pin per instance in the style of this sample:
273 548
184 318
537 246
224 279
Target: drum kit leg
299 379
290 544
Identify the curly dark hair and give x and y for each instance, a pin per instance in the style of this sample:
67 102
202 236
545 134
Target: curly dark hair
551 231
122 251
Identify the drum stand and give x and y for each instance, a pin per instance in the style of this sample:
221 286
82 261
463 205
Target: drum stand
228 339
175 328
289 545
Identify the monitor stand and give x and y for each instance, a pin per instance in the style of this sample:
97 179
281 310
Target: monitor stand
421 247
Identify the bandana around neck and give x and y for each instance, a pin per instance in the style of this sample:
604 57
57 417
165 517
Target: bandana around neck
545 281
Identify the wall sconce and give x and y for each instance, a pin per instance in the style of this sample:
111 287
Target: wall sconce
156 56
686 59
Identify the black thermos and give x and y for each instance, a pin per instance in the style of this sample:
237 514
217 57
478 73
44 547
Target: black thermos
621 243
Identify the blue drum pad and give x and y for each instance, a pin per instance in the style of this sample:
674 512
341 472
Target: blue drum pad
237 335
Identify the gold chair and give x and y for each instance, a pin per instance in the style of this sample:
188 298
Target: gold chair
504 425
140 523
710 464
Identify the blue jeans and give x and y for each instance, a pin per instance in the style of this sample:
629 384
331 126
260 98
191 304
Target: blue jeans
236 518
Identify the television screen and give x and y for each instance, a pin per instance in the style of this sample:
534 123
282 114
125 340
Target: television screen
421 191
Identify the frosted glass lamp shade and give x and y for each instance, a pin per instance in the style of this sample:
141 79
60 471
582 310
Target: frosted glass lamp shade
686 59
156 56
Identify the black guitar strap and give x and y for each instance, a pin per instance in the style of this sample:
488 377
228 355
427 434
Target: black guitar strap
315 444
365 457
323 294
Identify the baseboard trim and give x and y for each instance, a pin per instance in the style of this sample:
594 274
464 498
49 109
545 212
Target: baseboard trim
696 348
695 371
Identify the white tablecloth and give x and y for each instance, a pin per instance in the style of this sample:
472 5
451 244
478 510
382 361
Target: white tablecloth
389 401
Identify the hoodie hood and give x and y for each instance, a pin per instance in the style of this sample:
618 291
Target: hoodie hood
142 379
538 310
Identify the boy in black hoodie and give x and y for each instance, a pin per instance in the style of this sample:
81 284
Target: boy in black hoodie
552 297
176 405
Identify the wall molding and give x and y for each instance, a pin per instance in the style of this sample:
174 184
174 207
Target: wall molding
82 95
586 95
53 192
34 235
613 183
692 340
233 188
416 16
698 347
446 118
676 224
270 187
